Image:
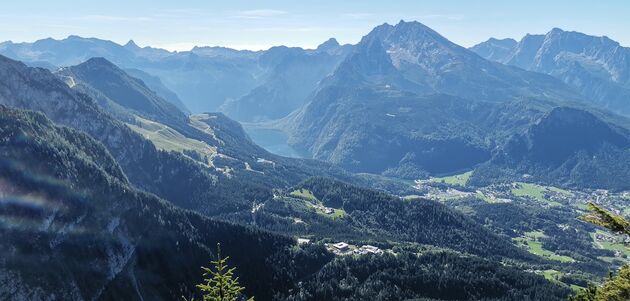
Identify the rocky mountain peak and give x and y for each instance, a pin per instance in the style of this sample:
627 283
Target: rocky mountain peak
330 44
131 45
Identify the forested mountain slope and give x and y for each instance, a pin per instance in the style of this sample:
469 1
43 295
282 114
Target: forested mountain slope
73 227
568 147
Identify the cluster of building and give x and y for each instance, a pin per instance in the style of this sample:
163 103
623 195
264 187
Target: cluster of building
605 237
322 208
342 248
327 210
450 193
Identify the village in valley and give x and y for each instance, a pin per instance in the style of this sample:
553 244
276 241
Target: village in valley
454 190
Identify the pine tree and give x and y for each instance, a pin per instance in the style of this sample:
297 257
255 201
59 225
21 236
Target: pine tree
220 284
616 288
604 218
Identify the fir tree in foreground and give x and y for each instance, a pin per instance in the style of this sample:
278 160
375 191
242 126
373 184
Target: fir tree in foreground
616 288
219 283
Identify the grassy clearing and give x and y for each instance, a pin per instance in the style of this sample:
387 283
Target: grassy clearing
537 192
607 259
412 197
480 195
581 206
531 242
304 194
531 190
312 202
338 213
552 275
560 190
297 205
616 247
555 276
612 246
535 234
489 198
320 209
460 179
168 139
199 121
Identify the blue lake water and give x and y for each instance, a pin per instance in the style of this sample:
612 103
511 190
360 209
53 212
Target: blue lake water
274 141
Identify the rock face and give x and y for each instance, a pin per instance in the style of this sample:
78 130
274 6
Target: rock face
379 111
412 57
495 49
597 67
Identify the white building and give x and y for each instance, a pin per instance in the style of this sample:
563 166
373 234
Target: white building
341 246
368 249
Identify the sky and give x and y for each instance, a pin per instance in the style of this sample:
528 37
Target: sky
180 25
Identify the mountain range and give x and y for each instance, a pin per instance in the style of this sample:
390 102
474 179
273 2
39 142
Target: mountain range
74 227
597 67
118 177
78 188
246 85
409 103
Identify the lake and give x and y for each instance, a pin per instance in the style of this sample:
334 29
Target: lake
274 141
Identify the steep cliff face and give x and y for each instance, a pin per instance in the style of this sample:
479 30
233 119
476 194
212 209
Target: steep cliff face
597 67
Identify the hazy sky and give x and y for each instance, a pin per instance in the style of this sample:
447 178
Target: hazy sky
178 25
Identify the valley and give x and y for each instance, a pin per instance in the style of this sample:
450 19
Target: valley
560 205
402 166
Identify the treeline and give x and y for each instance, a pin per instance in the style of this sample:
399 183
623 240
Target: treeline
430 276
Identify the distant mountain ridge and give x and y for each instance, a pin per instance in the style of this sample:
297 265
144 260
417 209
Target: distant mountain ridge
246 85
155 84
123 89
382 111
412 57
597 67
293 75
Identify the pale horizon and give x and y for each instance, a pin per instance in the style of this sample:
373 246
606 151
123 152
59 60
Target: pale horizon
239 25
188 46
